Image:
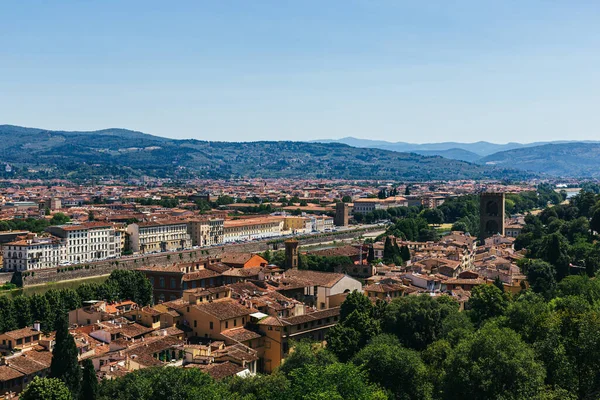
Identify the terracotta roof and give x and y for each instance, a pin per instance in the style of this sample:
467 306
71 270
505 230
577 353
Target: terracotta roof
21 333
237 258
348 251
300 319
384 287
240 334
28 363
202 274
251 221
88 225
242 272
458 281
325 279
223 370
223 310
218 267
160 223
8 373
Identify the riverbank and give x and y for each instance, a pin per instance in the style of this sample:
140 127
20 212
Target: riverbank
44 287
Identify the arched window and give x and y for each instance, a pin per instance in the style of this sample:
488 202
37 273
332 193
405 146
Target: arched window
491 208
491 227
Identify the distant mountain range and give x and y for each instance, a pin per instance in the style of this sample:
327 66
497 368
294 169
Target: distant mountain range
575 159
123 153
481 149
558 158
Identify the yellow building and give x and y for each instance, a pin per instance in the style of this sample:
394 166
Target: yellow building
209 320
295 223
278 332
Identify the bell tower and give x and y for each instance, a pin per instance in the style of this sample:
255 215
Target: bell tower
491 214
291 254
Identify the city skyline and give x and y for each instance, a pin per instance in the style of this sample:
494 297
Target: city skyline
287 71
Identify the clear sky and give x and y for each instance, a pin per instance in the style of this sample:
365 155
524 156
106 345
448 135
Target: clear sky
416 71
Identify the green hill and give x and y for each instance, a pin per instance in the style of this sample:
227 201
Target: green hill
579 159
124 153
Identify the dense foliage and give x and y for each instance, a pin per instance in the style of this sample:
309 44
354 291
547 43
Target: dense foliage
564 236
309 261
33 224
123 153
23 310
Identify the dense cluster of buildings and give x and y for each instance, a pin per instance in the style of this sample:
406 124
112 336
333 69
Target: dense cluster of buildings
237 314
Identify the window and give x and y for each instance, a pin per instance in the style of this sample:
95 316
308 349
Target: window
195 324
211 325
161 282
235 322
173 285
226 324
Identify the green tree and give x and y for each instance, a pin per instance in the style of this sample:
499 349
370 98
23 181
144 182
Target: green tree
306 353
418 320
371 254
498 283
405 253
486 301
555 250
494 363
542 278
163 384
65 365
23 311
355 301
433 216
272 387
40 311
395 368
89 384
59 219
337 381
346 199
8 316
348 337
460 226
46 389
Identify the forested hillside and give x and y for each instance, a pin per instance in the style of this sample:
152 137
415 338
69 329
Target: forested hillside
122 153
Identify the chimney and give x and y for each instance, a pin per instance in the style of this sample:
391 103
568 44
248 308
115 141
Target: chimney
36 326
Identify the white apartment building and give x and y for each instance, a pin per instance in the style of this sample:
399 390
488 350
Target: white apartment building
159 236
88 242
32 252
321 223
365 206
251 229
206 232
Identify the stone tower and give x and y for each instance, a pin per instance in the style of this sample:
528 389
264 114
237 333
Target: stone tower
341 214
291 254
491 214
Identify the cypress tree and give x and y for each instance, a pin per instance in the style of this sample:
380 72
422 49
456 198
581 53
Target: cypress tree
89 386
65 365
371 254
388 249
405 253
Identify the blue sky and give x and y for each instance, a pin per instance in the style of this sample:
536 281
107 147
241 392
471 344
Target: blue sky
298 70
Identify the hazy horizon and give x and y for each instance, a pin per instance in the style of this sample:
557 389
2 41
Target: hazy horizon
392 71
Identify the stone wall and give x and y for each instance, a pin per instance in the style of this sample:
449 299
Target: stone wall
107 266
